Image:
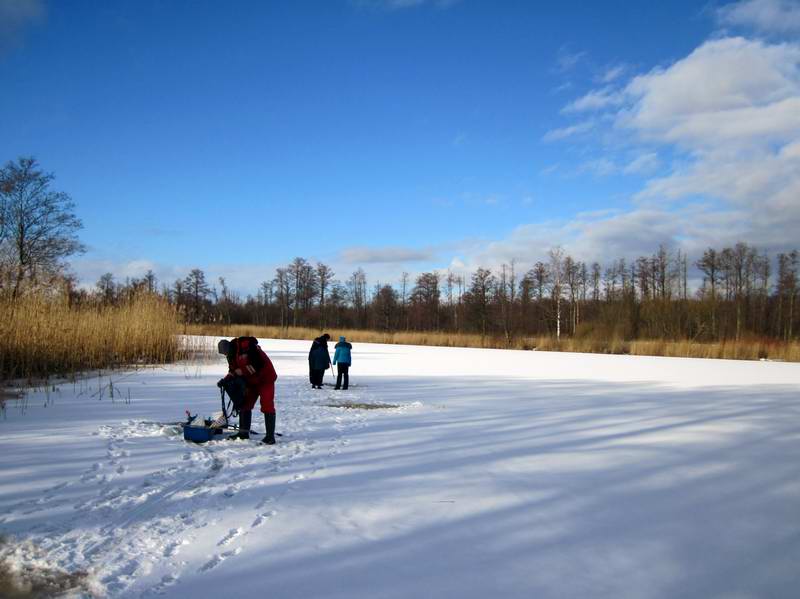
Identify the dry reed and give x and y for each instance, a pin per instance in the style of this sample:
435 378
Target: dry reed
42 337
746 349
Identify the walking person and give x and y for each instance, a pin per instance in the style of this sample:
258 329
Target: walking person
319 360
343 359
248 362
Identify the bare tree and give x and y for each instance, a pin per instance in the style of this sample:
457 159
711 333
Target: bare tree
324 277
404 278
479 296
303 279
384 306
357 286
425 299
106 288
540 276
450 283
572 280
38 227
556 256
283 292
787 292
197 290
596 281
506 293
150 281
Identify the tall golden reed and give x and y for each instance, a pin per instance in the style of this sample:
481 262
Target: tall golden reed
42 337
747 349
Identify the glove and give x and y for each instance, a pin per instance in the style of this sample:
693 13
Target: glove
221 383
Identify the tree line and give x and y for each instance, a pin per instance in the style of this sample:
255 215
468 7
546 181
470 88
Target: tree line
741 292
646 298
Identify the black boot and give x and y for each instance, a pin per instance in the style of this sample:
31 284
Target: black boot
269 438
245 419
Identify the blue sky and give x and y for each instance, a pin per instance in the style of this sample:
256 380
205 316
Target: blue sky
404 135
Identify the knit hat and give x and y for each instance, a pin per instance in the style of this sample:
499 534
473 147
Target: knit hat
341 339
224 346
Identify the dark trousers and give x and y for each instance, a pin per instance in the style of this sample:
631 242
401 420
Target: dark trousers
343 371
316 377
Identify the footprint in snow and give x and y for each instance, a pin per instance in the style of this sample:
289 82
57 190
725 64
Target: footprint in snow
161 588
173 548
261 519
228 538
218 559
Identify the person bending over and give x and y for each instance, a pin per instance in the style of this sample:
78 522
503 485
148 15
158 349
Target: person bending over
249 362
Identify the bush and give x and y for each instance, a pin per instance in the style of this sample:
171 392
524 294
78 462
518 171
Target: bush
42 336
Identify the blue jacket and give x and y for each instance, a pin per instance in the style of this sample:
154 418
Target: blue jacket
342 353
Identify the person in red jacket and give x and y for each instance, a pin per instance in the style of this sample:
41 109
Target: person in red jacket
248 361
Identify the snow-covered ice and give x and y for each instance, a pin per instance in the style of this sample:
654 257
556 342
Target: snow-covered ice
499 474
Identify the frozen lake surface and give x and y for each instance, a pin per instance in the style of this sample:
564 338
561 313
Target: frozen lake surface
500 474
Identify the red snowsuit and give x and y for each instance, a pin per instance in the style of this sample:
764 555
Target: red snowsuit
248 360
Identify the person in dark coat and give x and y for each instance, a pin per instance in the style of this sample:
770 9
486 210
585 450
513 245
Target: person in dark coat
343 360
248 362
319 360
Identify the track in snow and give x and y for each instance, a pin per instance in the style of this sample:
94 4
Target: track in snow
142 516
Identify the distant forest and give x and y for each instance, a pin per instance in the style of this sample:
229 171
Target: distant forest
744 294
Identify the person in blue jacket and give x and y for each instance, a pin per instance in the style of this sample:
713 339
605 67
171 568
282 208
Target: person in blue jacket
342 359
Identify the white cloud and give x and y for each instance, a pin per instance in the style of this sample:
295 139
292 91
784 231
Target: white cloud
768 16
612 73
733 107
729 115
89 270
392 254
721 127
595 100
598 237
728 91
643 164
607 235
601 167
570 131
567 60
549 169
562 88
